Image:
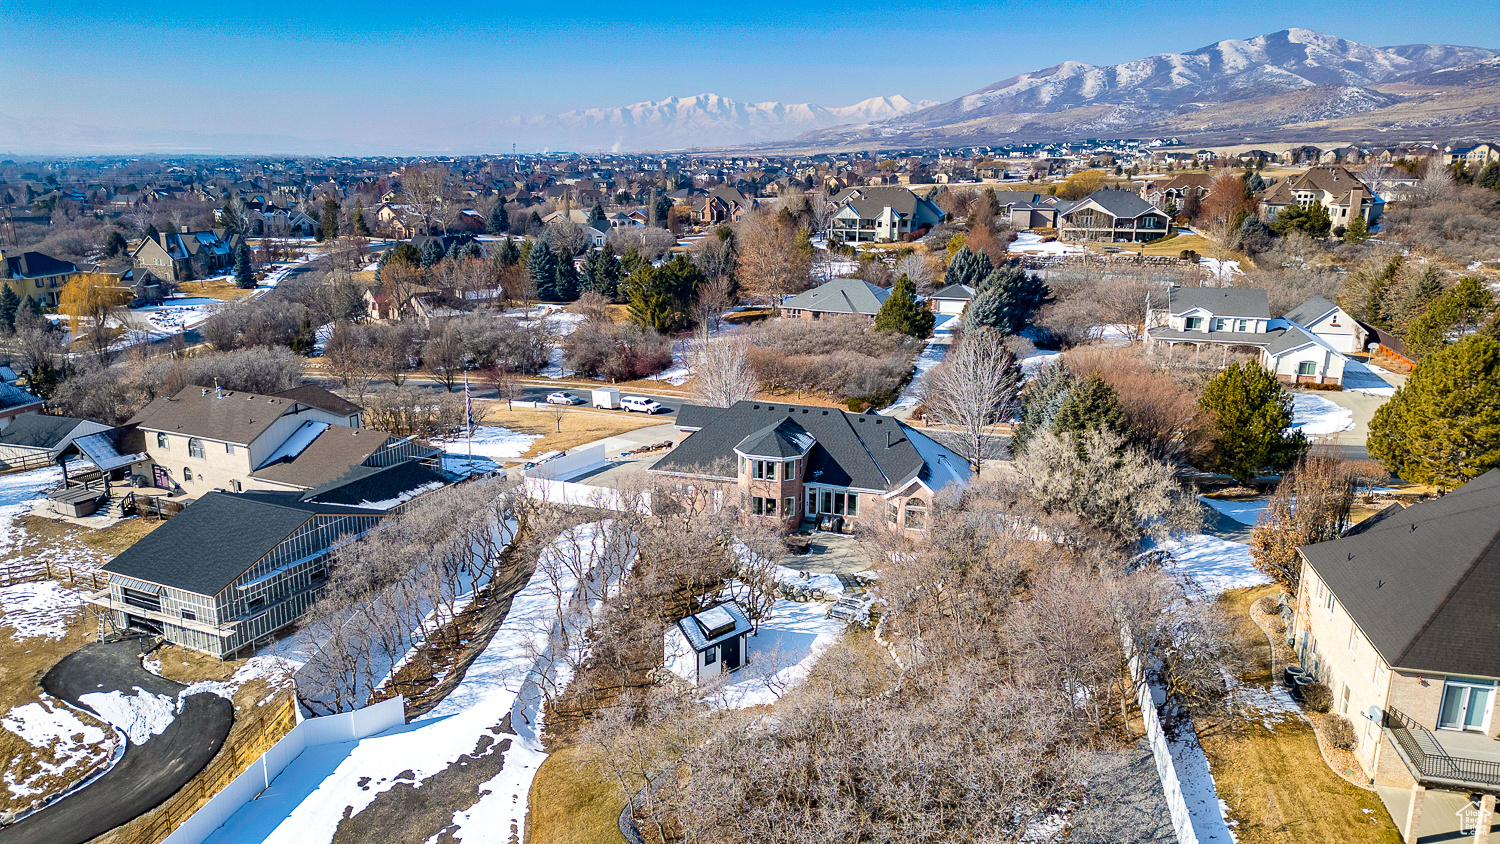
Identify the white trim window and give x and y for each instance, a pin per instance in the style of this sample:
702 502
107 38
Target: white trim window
1466 704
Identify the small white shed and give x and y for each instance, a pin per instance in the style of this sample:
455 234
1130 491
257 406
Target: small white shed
607 398
708 644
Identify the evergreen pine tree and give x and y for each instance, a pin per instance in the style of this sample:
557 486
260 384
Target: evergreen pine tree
328 226
31 305
567 278
10 303
432 251
902 312
361 228
1091 405
1420 292
1443 427
597 214
969 268
115 244
1191 204
649 299
533 222
541 267
1007 299
508 255
602 272
632 262
151 232
1358 231
1251 414
1455 313
498 221
244 277
1040 404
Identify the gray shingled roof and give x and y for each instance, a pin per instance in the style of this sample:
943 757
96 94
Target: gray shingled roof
1310 311
1289 339
1120 203
841 296
38 431
860 450
784 439
1423 584
314 396
1220 301
697 636
327 458
216 539
954 291
231 416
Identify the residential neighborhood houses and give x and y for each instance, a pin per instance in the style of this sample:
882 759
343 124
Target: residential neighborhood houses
452 472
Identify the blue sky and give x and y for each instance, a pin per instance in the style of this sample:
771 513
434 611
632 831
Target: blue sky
376 76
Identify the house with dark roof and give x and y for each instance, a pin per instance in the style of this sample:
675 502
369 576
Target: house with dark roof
1337 189
835 298
229 570
1400 618
796 463
881 215
180 256
35 274
1114 216
15 402
204 439
1231 316
31 439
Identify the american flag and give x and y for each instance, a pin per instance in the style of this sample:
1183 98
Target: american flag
468 406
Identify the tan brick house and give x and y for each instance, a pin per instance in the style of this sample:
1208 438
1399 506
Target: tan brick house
798 464
1401 619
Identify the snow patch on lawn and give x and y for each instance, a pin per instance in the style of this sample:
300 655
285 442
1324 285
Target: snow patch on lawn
37 609
931 356
139 716
1031 243
1214 565
1316 416
491 442
17 494
783 651
73 744
1244 512
276 670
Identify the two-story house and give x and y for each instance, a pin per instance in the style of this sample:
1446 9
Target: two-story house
881 215
1400 617
229 570
1114 216
1226 316
795 463
35 274
1339 191
180 256
202 439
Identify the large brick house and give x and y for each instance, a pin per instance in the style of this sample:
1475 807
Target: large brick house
796 464
1400 617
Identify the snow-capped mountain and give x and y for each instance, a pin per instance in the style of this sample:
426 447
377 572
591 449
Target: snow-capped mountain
1260 85
1282 61
706 120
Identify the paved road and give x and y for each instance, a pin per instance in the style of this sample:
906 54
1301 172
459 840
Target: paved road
148 773
540 392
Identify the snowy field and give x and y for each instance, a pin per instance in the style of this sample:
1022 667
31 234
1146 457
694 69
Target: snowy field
329 782
786 645
1031 244
1316 416
36 608
1212 564
73 746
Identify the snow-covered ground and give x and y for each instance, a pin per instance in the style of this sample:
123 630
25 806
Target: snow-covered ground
490 446
139 716
1036 361
17 494
1244 512
1316 416
305 803
1031 243
931 356
51 725
1361 377
37 608
1222 270
179 313
1211 564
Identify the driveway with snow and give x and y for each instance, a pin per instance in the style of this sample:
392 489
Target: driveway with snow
170 742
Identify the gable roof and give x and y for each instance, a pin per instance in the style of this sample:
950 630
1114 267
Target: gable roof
1120 203
314 396
724 621
1220 301
860 450
35 430
380 488
226 416
217 538
328 455
13 396
782 439
840 296
954 291
1423 583
36 265
1310 311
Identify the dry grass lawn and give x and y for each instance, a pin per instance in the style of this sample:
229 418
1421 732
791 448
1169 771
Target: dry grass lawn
571 803
216 289
578 425
1273 778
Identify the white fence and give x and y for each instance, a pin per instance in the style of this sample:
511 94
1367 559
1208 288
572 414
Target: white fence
331 729
1161 751
548 481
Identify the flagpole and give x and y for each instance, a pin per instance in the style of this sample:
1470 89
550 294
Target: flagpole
469 413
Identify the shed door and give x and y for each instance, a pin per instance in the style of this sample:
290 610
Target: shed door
731 654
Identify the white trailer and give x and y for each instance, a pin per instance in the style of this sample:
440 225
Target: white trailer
607 398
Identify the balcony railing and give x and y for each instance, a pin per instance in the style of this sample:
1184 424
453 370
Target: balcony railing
1428 759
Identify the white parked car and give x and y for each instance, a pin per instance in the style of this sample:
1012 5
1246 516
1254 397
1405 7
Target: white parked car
640 403
563 398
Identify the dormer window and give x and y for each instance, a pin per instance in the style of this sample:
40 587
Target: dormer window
1194 323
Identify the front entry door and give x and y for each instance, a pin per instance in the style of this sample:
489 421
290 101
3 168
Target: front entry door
730 651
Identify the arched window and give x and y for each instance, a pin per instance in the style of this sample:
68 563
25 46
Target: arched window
916 514
195 448
187 474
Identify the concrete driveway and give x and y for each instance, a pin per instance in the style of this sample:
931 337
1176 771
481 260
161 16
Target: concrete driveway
148 773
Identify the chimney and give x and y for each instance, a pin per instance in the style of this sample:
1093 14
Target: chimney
218 393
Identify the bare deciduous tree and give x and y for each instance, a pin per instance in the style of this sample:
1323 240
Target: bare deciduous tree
721 371
771 264
972 388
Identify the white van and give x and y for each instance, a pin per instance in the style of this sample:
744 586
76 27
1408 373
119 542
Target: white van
639 403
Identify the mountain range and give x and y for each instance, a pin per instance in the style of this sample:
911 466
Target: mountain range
704 120
1294 82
